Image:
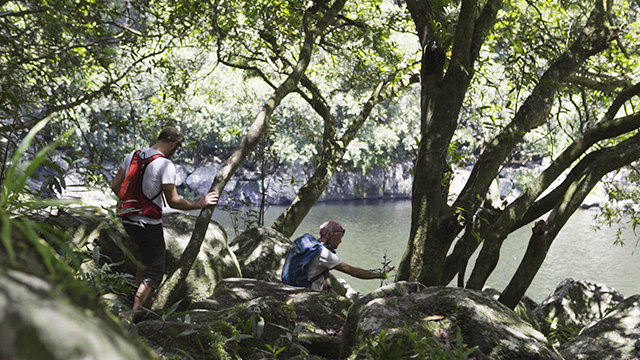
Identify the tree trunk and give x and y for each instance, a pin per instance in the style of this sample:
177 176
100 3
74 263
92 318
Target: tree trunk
544 233
332 153
170 289
434 224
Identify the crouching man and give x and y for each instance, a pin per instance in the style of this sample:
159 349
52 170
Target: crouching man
331 234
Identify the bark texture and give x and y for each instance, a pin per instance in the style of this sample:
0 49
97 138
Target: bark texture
315 22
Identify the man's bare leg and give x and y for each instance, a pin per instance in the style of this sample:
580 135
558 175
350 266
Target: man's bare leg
143 296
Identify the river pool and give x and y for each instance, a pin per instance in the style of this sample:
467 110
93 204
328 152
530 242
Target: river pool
378 227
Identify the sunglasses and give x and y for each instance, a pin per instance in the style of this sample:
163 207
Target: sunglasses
340 232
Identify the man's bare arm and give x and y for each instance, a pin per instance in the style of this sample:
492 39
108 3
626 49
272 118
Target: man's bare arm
117 181
359 272
177 202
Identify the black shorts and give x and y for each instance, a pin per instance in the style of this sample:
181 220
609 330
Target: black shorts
150 240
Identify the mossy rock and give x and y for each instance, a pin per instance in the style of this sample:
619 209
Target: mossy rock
524 309
574 305
199 341
321 314
616 336
497 331
37 321
261 253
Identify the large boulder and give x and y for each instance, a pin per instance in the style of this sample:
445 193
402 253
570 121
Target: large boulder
261 253
615 337
37 322
433 316
398 289
243 303
524 309
214 262
572 306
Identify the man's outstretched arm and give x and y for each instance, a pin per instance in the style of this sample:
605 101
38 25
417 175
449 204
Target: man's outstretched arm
359 272
177 202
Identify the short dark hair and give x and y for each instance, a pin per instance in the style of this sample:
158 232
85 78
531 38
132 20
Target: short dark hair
171 133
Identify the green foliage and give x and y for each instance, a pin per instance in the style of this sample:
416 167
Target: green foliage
19 207
106 281
560 334
243 212
620 211
395 346
286 344
386 268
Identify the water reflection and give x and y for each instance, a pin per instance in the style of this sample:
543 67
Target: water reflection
379 227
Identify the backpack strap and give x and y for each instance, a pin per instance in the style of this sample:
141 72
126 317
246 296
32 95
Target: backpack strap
147 161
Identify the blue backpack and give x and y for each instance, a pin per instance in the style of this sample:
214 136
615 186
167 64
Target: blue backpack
296 268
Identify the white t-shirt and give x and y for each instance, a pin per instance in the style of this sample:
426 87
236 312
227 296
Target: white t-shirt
159 172
326 260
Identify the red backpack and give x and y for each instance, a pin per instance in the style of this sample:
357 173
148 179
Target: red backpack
132 199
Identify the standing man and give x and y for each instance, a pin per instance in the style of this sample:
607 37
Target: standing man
144 214
331 234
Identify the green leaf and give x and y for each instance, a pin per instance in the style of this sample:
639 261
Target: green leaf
10 185
46 252
172 309
239 337
279 351
185 333
6 237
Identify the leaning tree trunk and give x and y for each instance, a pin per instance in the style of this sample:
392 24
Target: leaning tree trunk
595 37
545 232
170 289
332 153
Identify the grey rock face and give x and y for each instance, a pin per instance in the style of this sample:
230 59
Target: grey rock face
524 309
261 253
36 323
200 179
182 173
394 181
615 337
498 332
574 305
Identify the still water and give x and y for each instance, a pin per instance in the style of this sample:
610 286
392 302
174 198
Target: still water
378 227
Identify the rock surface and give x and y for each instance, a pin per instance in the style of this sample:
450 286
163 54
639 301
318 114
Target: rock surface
214 262
37 323
574 305
261 312
524 309
498 332
261 253
615 337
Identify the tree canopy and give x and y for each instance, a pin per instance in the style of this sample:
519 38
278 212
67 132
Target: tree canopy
335 83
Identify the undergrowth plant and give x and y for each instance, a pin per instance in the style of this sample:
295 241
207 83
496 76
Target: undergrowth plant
559 333
31 237
21 211
395 346
287 343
